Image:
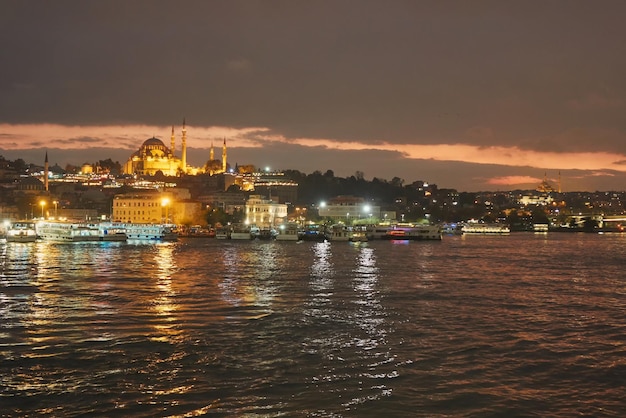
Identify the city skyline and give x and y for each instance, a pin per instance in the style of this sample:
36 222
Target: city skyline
472 96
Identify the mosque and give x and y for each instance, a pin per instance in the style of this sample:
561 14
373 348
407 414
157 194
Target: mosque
154 156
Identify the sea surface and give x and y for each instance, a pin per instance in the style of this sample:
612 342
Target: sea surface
471 326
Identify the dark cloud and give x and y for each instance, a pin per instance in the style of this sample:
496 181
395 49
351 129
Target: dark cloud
546 76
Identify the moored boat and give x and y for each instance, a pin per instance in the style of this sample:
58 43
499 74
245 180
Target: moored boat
63 231
222 233
313 232
21 231
288 232
339 232
412 232
148 232
485 228
241 232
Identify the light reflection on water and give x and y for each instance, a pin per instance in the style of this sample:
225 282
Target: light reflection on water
469 326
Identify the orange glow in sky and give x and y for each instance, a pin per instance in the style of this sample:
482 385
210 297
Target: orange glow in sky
15 137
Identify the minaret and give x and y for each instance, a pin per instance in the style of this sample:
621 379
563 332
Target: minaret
224 156
211 153
173 147
559 181
45 172
184 152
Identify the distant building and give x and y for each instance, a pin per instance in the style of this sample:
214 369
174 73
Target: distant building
264 213
348 209
273 184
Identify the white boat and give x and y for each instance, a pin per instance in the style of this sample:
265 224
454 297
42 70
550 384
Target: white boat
485 228
22 231
111 232
222 233
339 232
62 231
359 234
241 232
288 232
146 232
375 232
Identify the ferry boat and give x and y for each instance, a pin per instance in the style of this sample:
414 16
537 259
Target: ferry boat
148 232
62 231
288 232
264 234
241 232
22 231
222 233
359 234
341 232
412 232
313 232
485 228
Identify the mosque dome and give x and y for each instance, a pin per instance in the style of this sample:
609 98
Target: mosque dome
153 147
151 142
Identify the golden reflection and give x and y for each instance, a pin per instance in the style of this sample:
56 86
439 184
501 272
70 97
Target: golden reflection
249 279
165 262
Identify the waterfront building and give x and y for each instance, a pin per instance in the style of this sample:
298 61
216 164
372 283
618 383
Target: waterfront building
264 213
174 206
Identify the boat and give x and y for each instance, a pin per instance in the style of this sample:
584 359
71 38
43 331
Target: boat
64 231
404 231
376 232
265 234
359 234
222 233
485 228
288 232
21 231
339 232
111 232
414 232
241 232
147 232
313 232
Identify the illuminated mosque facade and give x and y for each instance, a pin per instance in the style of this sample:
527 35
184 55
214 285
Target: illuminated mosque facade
154 156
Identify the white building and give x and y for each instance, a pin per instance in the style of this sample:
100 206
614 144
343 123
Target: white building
348 209
264 213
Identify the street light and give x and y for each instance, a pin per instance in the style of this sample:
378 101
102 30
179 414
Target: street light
56 203
43 204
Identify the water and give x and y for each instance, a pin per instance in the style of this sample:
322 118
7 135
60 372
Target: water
519 325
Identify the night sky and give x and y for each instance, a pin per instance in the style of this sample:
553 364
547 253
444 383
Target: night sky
471 95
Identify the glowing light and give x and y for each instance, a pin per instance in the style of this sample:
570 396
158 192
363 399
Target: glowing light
42 203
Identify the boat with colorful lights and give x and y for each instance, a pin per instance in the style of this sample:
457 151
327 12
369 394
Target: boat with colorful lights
485 228
405 231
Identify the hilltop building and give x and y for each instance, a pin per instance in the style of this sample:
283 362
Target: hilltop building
273 184
154 156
